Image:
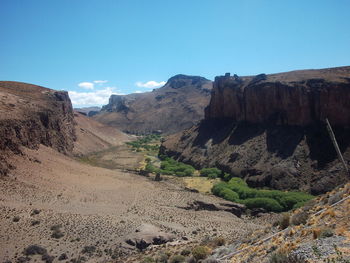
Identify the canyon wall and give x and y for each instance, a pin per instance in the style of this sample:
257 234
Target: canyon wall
270 130
31 115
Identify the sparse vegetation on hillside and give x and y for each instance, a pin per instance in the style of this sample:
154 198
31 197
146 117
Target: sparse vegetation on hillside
237 190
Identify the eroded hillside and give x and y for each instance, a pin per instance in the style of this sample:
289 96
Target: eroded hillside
270 130
178 105
32 115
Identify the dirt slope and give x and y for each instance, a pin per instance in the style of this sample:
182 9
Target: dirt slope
96 207
93 136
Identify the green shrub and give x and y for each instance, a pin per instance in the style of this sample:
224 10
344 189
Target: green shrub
230 195
171 167
227 177
211 173
217 188
151 168
282 201
237 181
268 204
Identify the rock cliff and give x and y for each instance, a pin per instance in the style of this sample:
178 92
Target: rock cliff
31 115
177 105
270 129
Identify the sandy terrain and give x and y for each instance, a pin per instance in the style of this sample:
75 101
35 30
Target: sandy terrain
95 207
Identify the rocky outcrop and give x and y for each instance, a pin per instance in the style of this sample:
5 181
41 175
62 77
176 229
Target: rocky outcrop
269 129
178 105
33 115
298 98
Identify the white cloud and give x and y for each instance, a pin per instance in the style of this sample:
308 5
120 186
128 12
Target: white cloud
137 91
92 98
100 81
86 85
150 84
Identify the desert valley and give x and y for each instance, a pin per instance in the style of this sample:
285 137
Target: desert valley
184 131
76 188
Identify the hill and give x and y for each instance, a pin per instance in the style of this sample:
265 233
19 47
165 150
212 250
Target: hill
179 104
270 129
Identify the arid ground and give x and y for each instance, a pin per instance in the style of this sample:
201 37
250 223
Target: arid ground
66 205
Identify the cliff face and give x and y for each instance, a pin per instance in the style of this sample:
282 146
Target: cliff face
178 105
270 129
297 98
31 115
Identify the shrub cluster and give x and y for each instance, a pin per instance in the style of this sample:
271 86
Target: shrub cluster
211 173
143 143
169 166
237 190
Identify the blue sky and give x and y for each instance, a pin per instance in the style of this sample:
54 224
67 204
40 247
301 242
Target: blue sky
136 45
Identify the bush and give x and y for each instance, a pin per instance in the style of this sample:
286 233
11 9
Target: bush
268 204
285 200
200 252
230 195
171 167
217 188
148 260
227 177
211 173
326 232
151 168
177 259
34 250
300 218
284 222
219 241
237 181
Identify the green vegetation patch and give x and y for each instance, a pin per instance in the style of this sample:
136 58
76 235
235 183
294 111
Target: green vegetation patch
146 143
237 190
169 166
211 173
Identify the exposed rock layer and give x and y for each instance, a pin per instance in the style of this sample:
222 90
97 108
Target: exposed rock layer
270 129
178 105
33 115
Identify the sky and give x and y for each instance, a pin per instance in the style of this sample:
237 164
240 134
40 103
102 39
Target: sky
95 48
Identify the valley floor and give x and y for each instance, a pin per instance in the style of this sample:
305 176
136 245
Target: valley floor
66 205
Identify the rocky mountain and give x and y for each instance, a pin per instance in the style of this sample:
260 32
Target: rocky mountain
31 116
270 129
178 105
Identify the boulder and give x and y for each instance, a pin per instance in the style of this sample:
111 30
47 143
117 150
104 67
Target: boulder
146 235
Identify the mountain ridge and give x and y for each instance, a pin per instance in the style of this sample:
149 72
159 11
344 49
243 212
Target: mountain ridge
177 105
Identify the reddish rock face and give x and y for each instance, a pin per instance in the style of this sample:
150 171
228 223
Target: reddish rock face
269 129
298 98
